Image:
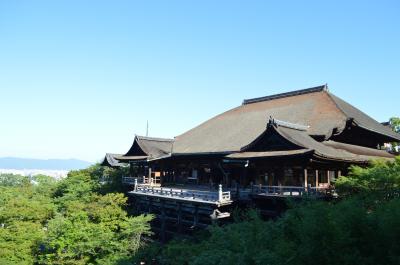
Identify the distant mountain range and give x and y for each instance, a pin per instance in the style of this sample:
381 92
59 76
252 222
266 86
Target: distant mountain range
50 164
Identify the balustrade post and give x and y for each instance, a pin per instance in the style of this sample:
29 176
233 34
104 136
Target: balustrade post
220 192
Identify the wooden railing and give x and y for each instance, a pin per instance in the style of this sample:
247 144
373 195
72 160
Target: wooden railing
208 196
128 180
289 191
226 196
152 181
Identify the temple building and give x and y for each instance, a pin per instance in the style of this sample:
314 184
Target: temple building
288 144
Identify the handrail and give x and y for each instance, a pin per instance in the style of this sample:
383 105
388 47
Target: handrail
128 180
215 196
288 190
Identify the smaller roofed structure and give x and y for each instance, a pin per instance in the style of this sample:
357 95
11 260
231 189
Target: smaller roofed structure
145 148
287 139
110 160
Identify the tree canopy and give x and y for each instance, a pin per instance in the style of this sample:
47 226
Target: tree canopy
67 222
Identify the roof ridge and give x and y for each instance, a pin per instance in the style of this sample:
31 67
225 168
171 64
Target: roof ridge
287 94
290 125
154 138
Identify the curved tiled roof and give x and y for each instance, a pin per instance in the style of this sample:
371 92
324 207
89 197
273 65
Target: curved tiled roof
296 142
316 107
110 160
144 147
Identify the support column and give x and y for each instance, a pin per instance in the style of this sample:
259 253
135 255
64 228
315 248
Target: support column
135 189
219 192
328 175
179 221
196 215
316 178
150 202
305 178
150 175
162 221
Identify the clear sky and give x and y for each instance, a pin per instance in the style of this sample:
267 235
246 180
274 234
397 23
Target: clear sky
80 78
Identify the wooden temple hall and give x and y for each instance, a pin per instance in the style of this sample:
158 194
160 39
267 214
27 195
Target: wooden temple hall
289 144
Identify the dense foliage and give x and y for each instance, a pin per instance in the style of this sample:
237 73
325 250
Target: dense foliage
361 228
81 220
73 221
395 123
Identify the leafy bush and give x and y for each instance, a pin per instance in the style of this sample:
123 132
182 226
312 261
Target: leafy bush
347 232
381 179
66 222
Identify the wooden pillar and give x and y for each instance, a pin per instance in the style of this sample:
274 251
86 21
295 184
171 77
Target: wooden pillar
316 178
162 174
328 175
150 202
305 178
162 221
179 221
196 215
245 174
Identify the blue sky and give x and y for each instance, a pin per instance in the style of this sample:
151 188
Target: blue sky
80 78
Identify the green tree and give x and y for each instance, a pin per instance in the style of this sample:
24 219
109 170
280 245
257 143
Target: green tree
72 221
381 179
91 228
13 180
24 211
395 124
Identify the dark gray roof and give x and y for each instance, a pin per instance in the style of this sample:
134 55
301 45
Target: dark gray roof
316 108
148 147
359 150
303 140
299 142
110 160
363 120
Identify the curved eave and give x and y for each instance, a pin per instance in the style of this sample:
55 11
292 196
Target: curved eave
393 137
132 158
269 154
